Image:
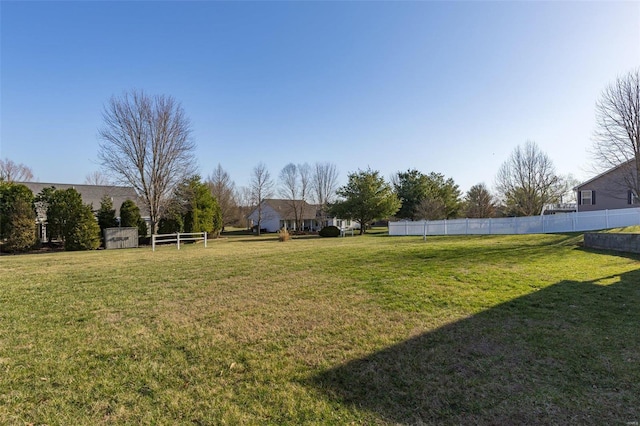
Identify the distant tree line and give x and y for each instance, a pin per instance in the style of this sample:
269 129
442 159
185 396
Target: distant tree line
146 143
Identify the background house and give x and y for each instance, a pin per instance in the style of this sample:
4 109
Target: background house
279 213
90 194
610 190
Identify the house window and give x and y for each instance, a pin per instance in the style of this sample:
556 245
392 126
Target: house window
586 198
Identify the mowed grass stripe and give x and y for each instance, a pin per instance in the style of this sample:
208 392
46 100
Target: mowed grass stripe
369 330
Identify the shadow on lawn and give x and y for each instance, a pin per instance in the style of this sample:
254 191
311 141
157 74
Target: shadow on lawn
569 353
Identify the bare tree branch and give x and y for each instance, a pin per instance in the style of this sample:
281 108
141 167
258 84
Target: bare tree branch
13 172
146 142
617 137
528 180
223 190
260 188
324 184
97 178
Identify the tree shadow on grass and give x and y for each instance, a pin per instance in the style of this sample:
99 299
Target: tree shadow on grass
569 353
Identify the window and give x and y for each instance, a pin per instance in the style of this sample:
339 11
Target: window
586 198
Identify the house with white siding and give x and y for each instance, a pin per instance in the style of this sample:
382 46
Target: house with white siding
280 213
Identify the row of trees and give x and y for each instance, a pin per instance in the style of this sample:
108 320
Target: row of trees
69 220
146 142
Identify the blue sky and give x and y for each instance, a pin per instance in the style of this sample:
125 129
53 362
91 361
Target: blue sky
448 87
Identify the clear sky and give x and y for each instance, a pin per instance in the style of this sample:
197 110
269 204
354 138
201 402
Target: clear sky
448 87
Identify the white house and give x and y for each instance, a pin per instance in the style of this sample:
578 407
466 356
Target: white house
279 213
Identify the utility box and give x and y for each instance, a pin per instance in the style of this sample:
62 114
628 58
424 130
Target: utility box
116 238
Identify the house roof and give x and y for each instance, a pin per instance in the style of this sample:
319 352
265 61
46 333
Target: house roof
285 210
606 172
92 194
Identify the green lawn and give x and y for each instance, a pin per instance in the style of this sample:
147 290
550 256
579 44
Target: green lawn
356 330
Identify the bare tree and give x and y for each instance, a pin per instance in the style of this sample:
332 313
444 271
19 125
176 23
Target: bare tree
146 142
223 190
324 184
617 137
294 187
261 188
304 172
97 178
431 209
527 181
13 172
245 204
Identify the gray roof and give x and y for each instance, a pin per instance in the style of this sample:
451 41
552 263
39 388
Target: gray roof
606 172
92 194
285 210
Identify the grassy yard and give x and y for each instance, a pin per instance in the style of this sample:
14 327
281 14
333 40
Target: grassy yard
357 330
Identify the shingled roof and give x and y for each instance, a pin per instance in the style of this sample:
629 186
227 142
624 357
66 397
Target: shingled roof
285 210
92 194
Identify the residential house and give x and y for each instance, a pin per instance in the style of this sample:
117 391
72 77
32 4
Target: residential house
92 195
279 213
612 189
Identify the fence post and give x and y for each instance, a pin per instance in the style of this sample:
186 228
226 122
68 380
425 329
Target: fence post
406 229
445 227
178 240
153 242
205 239
424 231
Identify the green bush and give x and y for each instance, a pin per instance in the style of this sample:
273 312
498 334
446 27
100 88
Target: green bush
84 233
329 231
21 235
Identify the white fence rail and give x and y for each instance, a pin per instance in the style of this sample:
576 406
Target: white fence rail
545 224
177 238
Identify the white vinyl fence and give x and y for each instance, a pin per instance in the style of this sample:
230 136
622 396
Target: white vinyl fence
544 224
177 238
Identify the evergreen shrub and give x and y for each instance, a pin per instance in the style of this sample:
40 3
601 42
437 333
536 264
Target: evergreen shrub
329 231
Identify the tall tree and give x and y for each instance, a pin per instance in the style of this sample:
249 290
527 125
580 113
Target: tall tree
260 188
201 212
294 187
366 197
426 196
527 181
13 172
479 203
617 137
223 190
146 142
411 188
324 182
